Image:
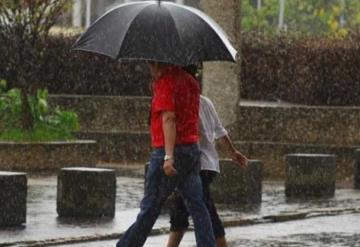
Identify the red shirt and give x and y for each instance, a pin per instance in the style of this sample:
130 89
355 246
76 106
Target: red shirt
176 91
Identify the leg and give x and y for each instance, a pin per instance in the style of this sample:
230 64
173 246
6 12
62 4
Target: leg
175 238
155 195
178 220
221 242
191 190
218 228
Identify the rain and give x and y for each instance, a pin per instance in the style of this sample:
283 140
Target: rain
276 148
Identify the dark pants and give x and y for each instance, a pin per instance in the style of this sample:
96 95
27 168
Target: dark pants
179 214
158 187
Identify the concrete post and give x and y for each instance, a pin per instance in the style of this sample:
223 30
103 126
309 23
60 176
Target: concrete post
86 192
13 192
310 175
221 80
234 185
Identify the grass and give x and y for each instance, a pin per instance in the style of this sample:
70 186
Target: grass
42 134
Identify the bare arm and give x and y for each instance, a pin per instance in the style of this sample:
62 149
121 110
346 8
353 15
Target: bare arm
169 129
235 155
221 134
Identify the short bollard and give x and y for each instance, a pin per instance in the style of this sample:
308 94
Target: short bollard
310 175
357 169
86 192
13 192
236 185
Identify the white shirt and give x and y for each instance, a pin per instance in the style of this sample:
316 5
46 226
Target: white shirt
211 128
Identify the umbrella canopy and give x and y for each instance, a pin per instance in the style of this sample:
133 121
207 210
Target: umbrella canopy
157 31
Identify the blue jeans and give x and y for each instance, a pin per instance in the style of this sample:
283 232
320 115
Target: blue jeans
158 187
179 214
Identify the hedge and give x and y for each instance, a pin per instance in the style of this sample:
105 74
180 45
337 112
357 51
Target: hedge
322 71
69 72
310 71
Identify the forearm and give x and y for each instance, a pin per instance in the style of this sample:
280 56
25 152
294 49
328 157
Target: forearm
169 129
235 155
227 144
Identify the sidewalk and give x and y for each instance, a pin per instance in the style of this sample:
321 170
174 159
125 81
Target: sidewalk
43 224
335 231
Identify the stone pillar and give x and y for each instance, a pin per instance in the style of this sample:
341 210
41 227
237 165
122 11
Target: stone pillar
310 175
13 192
236 185
357 169
221 80
88 13
77 13
86 192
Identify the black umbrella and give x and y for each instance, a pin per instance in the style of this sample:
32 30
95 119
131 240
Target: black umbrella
157 31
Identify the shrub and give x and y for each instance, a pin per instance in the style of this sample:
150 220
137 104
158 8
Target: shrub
67 72
315 71
23 25
49 124
301 70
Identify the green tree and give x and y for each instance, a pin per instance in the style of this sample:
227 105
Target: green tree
263 19
23 24
317 17
314 16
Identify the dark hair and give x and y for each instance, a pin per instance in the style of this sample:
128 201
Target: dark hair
193 70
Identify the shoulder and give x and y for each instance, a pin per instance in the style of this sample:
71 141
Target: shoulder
206 101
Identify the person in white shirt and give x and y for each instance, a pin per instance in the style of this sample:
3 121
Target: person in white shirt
211 129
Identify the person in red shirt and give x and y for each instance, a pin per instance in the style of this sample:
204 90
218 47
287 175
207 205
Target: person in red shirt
175 159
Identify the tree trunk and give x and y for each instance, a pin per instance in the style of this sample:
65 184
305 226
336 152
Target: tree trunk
27 120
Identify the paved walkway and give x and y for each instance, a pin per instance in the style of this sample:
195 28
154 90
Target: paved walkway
335 231
43 223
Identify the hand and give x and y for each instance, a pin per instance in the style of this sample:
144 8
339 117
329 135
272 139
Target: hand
169 168
239 158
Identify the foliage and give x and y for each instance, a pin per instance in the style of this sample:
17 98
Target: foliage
49 124
313 71
67 72
23 24
263 19
316 17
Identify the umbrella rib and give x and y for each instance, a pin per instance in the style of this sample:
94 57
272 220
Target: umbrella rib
182 43
139 14
129 26
177 32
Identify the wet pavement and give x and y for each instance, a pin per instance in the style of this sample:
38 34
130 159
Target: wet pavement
334 231
43 223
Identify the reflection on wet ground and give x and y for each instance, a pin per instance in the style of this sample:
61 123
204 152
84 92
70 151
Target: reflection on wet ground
341 230
42 221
